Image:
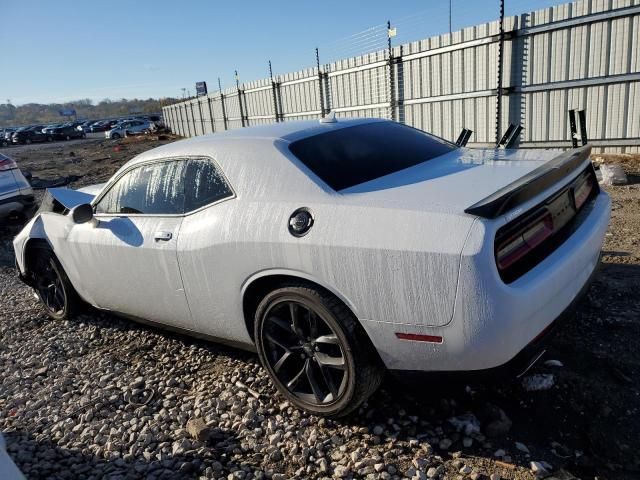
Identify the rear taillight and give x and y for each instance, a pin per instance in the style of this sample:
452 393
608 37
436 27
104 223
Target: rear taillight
7 163
582 192
522 241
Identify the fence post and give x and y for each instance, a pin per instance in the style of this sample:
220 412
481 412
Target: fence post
182 129
399 87
193 119
224 110
240 93
201 117
320 81
211 119
274 87
392 86
186 115
500 61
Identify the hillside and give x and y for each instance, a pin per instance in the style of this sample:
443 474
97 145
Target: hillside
30 113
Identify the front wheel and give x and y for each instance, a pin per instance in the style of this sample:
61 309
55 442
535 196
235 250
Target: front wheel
28 141
115 136
315 351
52 285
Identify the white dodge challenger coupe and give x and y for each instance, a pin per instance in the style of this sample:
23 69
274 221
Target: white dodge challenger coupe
337 250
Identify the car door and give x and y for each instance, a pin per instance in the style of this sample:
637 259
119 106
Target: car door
127 260
203 246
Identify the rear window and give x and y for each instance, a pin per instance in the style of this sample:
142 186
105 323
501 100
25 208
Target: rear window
354 155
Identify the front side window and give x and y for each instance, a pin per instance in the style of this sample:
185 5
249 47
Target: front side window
204 184
156 188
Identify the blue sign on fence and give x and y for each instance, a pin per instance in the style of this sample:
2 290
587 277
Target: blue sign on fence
201 88
67 112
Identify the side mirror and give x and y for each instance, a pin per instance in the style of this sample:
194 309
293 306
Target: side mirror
81 213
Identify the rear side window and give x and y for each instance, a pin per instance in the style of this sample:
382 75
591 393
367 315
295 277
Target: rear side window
204 184
350 156
157 188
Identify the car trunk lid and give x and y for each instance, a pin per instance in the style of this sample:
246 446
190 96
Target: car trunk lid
484 183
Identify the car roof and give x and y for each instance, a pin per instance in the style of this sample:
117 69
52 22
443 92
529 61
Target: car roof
284 131
260 147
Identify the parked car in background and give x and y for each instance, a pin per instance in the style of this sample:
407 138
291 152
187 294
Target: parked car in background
47 129
5 139
5 136
29 135
85 126
67 132
337 250
16 195
131 126
99 126
103 125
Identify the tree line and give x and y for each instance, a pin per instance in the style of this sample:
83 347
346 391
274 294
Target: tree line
35 113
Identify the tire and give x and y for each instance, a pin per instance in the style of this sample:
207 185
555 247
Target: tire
115 136
84 135
27 141
67 138
326 366
52 286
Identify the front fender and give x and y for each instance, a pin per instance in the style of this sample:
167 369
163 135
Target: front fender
33 230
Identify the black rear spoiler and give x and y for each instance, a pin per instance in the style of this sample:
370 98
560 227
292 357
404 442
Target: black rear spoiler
527 187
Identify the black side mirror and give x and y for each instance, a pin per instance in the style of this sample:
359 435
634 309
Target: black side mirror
81 213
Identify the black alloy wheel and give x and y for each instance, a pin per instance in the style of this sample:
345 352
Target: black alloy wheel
52 285
304 352
315 351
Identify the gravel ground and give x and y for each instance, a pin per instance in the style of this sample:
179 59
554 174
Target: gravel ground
102 397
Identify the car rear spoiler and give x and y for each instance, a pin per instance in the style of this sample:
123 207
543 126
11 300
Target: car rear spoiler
527 187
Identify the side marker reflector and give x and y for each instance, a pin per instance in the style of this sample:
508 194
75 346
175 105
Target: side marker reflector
419 338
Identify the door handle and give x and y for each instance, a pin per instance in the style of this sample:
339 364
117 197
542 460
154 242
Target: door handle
165 236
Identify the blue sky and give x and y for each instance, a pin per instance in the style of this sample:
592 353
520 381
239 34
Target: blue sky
64 50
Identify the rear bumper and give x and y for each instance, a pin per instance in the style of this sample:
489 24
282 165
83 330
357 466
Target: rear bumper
523 361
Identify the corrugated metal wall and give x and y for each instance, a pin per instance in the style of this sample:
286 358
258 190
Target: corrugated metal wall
583 55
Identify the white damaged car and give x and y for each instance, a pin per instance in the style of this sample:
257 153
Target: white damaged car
337 250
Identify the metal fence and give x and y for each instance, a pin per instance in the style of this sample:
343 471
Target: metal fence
583 55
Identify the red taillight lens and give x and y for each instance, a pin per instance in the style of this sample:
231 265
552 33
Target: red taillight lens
7 163
523 241
582 192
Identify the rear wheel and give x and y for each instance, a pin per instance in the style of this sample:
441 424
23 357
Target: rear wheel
115 136
68 137
28 141
315 351
52 285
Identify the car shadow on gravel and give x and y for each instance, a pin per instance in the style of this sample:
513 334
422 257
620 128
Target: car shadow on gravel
38 458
